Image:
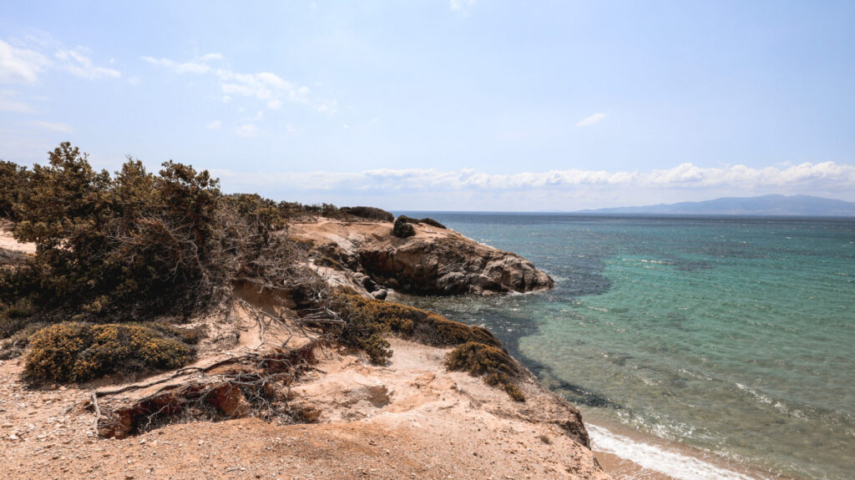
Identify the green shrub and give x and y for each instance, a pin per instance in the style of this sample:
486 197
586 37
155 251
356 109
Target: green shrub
477 350
514 392
370 213
106 243
497 367
479 359
77 352
432 223
361 314
403 228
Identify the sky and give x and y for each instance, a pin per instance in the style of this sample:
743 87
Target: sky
458 105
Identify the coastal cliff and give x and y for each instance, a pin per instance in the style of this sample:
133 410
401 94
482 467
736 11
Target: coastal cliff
321 409
434 261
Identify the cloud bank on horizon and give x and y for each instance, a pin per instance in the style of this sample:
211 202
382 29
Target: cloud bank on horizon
468 189
445 104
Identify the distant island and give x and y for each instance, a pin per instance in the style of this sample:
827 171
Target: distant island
795 205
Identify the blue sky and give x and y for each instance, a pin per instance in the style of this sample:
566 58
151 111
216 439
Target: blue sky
460 105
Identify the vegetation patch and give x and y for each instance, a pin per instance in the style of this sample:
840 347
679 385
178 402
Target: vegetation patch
370 213
477 350
426 221
432 223
403 228
495 364
78 352
366 317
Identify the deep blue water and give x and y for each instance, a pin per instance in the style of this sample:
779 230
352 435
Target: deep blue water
732 336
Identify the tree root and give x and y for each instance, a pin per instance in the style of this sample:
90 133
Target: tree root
250 385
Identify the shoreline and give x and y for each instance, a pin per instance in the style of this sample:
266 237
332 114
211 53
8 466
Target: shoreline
627 453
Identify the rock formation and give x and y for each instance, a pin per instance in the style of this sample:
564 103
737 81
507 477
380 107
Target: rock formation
434 261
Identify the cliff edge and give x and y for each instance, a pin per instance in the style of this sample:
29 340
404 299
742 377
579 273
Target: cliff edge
434 261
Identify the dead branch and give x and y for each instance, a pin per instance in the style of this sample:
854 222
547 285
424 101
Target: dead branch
97 410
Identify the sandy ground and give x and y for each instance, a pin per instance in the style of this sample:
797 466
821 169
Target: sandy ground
11 251
410 419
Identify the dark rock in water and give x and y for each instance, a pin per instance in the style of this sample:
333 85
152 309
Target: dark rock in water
380 294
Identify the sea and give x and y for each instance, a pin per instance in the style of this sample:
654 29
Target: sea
695 348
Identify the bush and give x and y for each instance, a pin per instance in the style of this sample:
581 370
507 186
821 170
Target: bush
432 223
514 392
479 359
403 228
361 314
406 219
105 244
76 352
498 368
426 221
370 213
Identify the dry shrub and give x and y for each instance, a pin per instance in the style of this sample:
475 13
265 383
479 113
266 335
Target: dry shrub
77 352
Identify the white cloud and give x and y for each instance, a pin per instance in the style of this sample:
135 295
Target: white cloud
20 65
186 67
804 177
595 118
135 81
461 6
9 102
78 64
247 130
23 65
54 126
213 125
211 57
267 87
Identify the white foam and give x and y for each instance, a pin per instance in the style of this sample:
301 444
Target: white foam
652 457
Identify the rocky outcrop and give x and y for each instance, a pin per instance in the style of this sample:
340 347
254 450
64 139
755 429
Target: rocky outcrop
434 261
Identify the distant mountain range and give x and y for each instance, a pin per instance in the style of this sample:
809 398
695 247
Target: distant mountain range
796 205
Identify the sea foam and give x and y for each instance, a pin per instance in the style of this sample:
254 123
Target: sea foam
652 457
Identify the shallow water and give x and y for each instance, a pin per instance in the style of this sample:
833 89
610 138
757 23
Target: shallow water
735 337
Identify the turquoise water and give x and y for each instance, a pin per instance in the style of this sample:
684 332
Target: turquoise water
734 337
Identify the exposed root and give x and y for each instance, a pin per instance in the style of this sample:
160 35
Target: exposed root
251 385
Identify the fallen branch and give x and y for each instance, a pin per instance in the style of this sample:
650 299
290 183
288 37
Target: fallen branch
97 411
